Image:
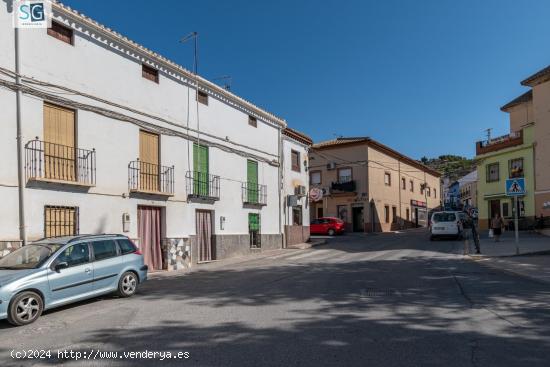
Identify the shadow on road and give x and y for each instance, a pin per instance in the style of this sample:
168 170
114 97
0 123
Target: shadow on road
368 311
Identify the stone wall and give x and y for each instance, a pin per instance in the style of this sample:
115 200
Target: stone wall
296 234
228 246
7 247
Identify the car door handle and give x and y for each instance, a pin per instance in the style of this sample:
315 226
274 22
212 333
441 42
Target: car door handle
87 270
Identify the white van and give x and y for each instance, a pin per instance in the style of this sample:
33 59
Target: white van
446 224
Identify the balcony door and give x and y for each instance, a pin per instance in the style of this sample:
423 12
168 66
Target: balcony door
252 181
148 161
200 167
59 143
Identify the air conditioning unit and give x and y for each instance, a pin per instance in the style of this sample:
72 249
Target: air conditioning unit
300 190
331 166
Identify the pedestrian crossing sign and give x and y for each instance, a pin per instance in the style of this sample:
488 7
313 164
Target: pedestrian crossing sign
515 187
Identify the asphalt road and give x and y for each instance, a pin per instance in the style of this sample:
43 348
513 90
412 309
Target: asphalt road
384 300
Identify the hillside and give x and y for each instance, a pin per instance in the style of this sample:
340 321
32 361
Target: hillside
451 166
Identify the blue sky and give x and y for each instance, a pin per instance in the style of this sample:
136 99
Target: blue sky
425 77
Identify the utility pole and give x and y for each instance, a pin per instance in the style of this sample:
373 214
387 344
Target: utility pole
20 161
516 223
194 36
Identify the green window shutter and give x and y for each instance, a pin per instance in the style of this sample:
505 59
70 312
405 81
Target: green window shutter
254 222
200 167
252 181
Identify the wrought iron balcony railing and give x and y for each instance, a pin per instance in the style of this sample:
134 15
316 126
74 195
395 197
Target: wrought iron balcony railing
51 162
254 194
202 185
150 178
344 185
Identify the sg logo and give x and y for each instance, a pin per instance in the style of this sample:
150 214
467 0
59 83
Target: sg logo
33 12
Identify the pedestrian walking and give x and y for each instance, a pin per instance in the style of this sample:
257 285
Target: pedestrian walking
496 225
476 237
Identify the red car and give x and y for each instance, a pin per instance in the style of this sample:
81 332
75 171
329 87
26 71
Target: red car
327 225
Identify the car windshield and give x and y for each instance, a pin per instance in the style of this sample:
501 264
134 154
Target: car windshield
28 257
444 217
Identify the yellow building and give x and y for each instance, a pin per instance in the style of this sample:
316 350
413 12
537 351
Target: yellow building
371 186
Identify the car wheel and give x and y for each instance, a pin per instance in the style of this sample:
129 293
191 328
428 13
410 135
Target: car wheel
331 232
127 285
25 308
432 238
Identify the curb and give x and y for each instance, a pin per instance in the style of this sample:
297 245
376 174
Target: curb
533 253
306 245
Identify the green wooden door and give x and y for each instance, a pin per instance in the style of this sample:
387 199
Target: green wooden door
252 179
254 230
200 174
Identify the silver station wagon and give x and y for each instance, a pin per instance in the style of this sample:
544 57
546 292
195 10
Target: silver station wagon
57 271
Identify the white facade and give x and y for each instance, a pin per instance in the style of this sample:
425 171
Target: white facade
467 187
104 65
294 178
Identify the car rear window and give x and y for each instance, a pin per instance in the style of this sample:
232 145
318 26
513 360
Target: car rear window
444 217
104 249
126 246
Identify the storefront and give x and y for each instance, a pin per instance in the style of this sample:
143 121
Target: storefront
419 213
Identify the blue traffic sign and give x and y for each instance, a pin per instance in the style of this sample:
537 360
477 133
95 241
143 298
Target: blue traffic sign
515 186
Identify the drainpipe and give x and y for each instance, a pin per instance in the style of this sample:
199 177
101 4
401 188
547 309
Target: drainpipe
400 188
280 185
20 161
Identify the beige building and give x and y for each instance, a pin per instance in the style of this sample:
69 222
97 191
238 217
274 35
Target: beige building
370 186
534 106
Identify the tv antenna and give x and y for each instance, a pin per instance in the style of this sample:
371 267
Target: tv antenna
225 81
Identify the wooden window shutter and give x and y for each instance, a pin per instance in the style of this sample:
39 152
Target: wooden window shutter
61 32
59 143
149 161
200 167
60 221
203 97
252 178
150 73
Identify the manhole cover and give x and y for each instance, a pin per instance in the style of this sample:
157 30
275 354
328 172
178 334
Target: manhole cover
376 292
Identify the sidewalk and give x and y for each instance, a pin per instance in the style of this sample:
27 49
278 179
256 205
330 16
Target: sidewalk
533 261
529 243
535 267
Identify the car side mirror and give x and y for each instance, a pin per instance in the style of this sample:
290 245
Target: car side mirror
61 265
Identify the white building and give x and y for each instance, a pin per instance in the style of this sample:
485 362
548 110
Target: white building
115 140
295 147
467 187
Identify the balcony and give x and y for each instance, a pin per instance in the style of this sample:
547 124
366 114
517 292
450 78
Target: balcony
254 194
149 178
60 164
344 184
502 142
202 186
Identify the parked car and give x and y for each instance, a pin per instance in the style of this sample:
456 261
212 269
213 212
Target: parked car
327 226
57 271
446 224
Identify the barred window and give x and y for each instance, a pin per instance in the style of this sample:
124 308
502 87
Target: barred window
60 221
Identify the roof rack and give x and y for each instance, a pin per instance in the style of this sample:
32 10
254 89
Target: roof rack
79 237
